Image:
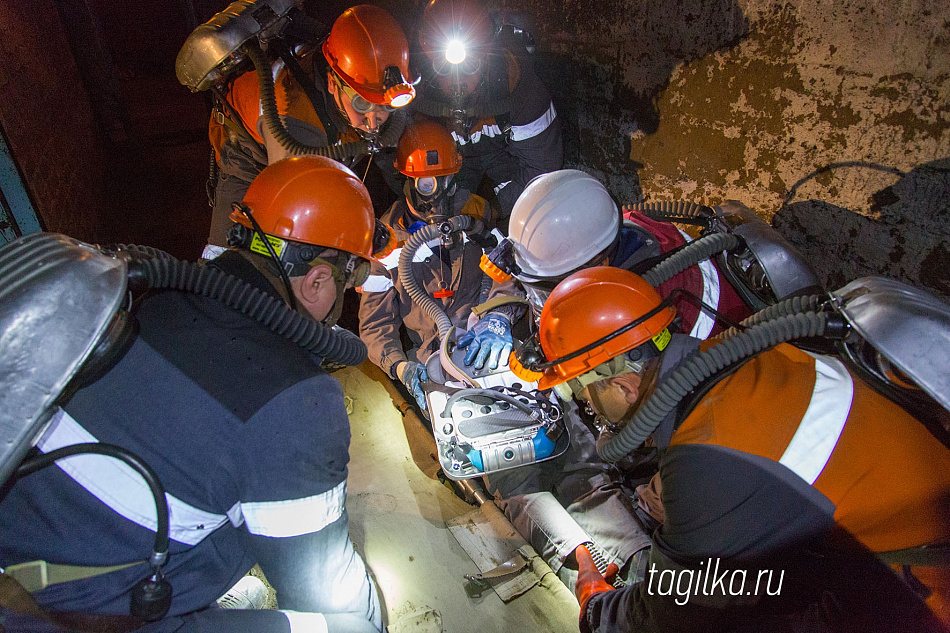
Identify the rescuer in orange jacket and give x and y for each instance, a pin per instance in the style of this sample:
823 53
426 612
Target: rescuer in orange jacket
351 93
787 484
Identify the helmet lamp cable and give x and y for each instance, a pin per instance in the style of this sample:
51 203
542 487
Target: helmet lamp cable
270 249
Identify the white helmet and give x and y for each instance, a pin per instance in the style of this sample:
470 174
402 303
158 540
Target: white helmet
563 221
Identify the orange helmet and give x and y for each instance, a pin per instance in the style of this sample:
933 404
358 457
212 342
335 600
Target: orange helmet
368 50
453 30
313 200
590 305
426 149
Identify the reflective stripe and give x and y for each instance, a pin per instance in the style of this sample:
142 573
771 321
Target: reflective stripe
306 622
530 130
392 260
210 251
490 131
294 517
501 186
121 488
711 292
376 283
817 435
705 322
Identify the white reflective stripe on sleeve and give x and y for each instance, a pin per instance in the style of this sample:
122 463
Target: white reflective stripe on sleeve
306 622
391 260
530 130
501 186
377 283
711 291
817 435
294 517
705 322
121 488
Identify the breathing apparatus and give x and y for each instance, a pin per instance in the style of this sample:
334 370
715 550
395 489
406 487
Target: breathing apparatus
483 421
430 197
871 313
50 347
218 50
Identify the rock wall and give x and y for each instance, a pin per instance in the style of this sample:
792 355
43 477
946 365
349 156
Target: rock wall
830 119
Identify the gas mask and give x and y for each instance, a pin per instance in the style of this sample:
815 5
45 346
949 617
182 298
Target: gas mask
430 197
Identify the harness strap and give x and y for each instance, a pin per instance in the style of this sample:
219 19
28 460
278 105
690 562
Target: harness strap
491 304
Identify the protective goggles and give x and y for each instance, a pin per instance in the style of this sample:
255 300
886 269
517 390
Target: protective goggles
359 104
593 380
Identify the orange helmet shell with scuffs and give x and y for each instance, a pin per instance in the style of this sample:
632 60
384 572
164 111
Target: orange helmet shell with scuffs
363 42
586 307
426 149
313 200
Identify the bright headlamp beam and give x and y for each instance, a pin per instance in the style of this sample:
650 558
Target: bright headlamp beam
455 52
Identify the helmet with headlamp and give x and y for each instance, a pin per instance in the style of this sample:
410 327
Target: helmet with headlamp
563 221
456 35
597 323
368 52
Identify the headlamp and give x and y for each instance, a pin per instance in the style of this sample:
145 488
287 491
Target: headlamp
398 91
500 264
455 52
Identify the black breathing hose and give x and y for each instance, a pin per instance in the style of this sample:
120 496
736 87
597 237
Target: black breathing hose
34 464
697 251
786 307
341 152
675 211
335 345
692 372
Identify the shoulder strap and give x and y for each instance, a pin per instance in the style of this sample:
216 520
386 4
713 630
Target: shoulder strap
317 97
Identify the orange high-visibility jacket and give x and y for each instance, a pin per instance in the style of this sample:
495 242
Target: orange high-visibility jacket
886 477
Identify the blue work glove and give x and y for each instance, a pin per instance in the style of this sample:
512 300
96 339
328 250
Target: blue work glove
489 337
412 374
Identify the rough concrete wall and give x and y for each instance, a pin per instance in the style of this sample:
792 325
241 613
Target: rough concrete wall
48 121
830 119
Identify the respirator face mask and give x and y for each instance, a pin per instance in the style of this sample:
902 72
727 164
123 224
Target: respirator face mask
430 197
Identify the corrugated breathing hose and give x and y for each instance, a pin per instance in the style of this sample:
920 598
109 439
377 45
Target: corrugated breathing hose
792 305
341 152
692 372
161 271
675 211
417 293
695 252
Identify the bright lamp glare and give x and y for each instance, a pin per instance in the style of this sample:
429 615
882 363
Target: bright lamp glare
455 52
401 100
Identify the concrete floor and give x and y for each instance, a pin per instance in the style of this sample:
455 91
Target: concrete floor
398 520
